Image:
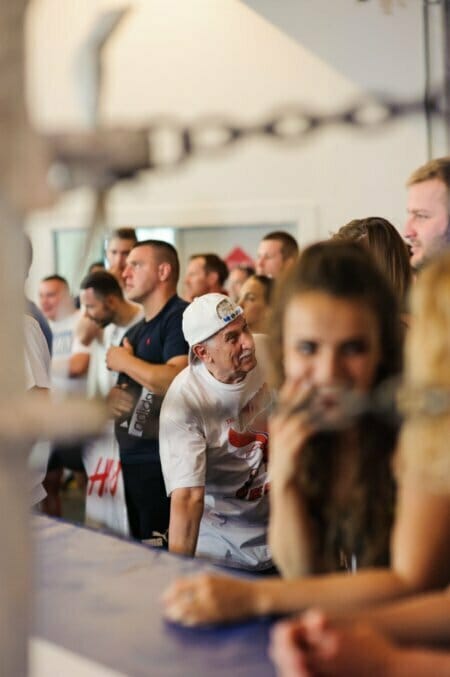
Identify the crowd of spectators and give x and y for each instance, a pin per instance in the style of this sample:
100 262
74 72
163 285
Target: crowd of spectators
283 420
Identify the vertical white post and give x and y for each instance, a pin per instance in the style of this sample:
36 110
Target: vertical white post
14 536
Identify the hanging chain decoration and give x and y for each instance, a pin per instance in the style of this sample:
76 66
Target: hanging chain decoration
102 157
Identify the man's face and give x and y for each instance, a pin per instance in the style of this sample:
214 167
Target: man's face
53 297
141 274
427 226
236 279
230 354
269 259
196 281
98 310
117 252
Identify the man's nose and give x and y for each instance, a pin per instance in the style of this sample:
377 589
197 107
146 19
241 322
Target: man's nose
408 229
247 341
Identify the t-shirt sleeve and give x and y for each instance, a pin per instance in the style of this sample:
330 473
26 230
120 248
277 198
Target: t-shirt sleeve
182 445
78 347
174 343
37 356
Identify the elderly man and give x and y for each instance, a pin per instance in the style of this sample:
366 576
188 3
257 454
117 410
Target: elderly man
213 440
427 228
276 252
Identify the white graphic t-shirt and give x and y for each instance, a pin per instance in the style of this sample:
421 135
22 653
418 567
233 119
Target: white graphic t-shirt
214 434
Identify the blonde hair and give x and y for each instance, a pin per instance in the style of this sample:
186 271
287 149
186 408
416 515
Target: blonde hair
439 168
424 447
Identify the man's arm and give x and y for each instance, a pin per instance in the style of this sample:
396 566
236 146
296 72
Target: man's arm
186 510
155 377
78 365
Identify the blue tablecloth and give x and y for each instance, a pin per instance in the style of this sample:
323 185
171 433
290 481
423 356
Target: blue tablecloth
98 596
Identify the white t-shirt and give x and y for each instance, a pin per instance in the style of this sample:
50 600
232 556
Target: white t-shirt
37 373
37 355
100 379
65 344
214 434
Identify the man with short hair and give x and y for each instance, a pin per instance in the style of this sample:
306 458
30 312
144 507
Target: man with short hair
104 303
205 274
213 440
120 243
276 252
70 359
69 366
427 228
152 353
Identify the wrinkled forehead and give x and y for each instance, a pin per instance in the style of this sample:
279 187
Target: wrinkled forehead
236 325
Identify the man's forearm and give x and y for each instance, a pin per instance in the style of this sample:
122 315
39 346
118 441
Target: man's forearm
185 516
155 377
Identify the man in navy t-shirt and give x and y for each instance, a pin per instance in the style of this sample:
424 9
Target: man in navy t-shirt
152 353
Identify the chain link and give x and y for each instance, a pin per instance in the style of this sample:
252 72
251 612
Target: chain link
100 159
171 143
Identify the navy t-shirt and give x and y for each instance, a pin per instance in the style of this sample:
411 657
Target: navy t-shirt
156 341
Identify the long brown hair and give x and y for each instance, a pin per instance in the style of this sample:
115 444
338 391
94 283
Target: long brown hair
346 270
388 249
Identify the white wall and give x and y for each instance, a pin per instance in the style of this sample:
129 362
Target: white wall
198 57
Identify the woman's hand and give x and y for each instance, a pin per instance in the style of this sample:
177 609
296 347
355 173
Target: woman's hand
290 427
310 645
207 598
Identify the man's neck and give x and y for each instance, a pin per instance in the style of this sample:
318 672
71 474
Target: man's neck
229 379
156 301
125 313
64 312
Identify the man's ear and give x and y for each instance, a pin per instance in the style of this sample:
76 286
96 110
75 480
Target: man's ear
164 271
110 301
201 351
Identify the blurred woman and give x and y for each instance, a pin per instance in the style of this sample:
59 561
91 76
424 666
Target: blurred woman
255 302
335 334
388 249
314 644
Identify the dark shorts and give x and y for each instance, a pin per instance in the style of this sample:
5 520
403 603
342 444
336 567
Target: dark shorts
147 503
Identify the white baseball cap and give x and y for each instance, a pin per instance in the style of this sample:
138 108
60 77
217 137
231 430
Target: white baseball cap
207 315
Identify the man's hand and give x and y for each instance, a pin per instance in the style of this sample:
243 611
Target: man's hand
117 356
120 402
